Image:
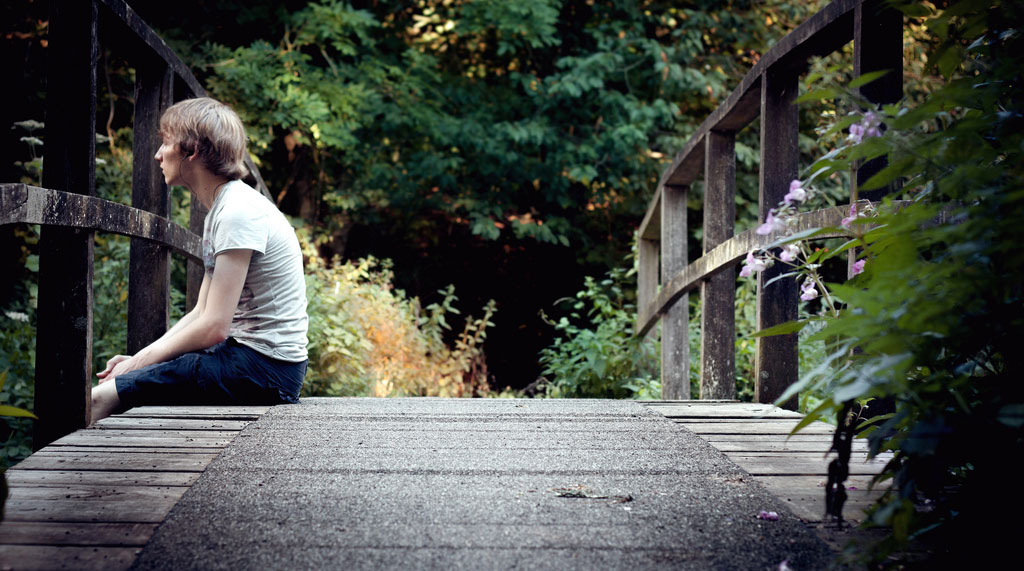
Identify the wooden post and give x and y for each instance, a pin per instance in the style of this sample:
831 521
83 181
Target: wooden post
149 279
64 332
718 293
877 46
776 364
675 324
647 274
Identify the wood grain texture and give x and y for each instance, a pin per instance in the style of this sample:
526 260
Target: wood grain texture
776 362
93 498
675 336
718 292
149 276
877 46
35 205
64 314
648 271
792 467
821 34
726 256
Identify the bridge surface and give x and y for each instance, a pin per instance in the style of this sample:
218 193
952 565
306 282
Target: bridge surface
423 483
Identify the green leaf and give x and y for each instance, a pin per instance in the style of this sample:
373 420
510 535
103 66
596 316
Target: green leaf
819 95
1011 415
890 173
8 410
785 328
914 10
779 277
868 78
810 417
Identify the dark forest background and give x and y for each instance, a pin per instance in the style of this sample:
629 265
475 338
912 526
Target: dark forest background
507 148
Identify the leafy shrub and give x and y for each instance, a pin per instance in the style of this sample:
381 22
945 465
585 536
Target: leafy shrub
367 338
933 322
596 354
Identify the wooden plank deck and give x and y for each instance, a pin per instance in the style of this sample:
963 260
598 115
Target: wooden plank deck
793 468
92 499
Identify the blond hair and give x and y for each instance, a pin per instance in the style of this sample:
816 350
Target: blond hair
210 130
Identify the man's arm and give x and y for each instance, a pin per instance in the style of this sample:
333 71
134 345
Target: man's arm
206 325
204 289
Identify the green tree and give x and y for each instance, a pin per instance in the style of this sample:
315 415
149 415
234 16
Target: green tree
514 145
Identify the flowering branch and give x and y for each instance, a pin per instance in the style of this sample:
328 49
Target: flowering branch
796 253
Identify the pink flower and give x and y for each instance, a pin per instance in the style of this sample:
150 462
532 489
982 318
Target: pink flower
770 516
869 126
808 291
771 224
789 252
857 268
796 193
856 133
752 264
853 216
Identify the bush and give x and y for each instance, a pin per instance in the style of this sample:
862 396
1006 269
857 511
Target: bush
933 322
596 354
368 339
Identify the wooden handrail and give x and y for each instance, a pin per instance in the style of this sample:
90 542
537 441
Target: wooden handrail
70 213
725 256
767 91
22 203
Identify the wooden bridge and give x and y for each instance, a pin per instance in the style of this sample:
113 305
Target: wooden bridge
431 483
92 497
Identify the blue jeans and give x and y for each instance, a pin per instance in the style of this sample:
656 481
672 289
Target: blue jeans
227 373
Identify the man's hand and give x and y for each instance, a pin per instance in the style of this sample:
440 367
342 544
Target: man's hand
107 374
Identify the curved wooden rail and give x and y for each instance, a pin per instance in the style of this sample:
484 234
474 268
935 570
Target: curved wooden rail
725 256
665 274
34 205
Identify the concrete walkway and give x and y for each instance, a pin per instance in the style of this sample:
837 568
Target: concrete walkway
475 484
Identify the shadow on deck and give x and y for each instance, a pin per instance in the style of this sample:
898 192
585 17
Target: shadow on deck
426 483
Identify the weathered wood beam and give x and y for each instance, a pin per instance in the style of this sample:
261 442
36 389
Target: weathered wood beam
718 292
149 278
64 330
675 325
650 227
776 364
877 46
34 205
648 273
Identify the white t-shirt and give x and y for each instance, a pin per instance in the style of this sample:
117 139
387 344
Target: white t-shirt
271 313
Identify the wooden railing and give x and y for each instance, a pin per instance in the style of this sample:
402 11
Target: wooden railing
769 91
70 213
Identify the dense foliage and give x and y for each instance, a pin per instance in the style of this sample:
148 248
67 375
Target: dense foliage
932 322
513 145
596 355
